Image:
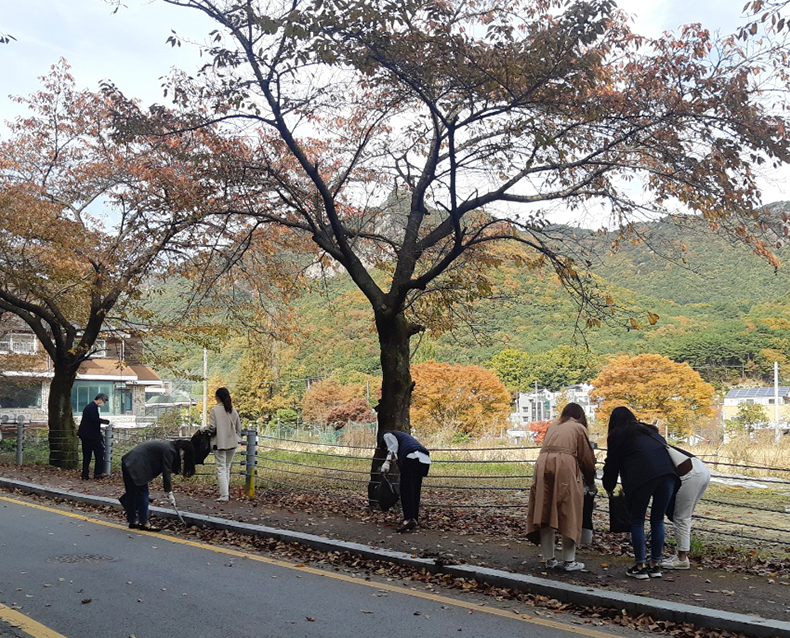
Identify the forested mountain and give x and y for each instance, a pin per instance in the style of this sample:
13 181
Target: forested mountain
720 307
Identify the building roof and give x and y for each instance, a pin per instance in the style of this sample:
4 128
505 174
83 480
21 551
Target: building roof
144 373
117 370
754 393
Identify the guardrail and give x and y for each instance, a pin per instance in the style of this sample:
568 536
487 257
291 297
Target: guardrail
485 478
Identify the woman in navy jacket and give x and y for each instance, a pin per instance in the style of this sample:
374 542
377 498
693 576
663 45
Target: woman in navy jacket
637 453
413 461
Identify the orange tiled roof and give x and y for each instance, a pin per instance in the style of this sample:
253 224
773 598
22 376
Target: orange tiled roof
144 373
115 368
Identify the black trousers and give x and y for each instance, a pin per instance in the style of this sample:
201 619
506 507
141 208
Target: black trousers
411 474
92 447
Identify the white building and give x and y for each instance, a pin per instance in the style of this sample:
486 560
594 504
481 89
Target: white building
541 406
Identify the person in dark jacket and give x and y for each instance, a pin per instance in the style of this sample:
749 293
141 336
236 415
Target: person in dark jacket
142 464
413 461
637 453
92 440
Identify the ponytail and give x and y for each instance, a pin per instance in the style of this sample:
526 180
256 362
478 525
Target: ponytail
223 396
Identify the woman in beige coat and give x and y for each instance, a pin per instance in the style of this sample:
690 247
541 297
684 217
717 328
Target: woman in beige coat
566 464
224 425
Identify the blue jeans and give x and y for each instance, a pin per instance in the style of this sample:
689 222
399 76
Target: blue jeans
660 489
136 502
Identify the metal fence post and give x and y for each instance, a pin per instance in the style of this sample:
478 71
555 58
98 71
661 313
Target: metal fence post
108 449
249 469
20 435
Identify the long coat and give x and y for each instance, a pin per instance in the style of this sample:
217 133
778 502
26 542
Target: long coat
565 463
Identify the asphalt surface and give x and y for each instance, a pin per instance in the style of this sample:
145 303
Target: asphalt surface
87 578
562 590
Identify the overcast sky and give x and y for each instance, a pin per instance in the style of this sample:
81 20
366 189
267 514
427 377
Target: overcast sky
129 47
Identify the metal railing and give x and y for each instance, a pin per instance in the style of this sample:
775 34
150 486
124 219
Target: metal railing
485 478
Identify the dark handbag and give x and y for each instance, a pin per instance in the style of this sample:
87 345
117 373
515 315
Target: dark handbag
387 493
619 520
587 511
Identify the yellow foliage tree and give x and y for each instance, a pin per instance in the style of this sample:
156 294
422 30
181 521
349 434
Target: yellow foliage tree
654 387
464 398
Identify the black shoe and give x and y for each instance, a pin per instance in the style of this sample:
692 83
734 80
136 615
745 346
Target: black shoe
134 525
654 571
408 527
102 476
85 478
635 571
148 528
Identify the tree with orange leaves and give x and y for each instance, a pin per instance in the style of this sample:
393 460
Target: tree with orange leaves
463 399
655 388
84 218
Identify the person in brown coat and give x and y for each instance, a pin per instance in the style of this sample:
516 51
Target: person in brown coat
566 464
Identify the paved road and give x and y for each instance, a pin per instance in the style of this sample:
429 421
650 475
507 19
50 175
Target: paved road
85 578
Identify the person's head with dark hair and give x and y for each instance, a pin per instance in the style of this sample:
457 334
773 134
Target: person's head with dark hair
184 463
101 397
223 396
573 411
620 418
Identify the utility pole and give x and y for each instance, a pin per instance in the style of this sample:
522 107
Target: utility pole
776 402
205 388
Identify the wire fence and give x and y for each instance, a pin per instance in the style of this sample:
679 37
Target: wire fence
746 504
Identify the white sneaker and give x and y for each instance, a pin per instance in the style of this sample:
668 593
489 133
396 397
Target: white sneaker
222 499
552 563
573 566
673 562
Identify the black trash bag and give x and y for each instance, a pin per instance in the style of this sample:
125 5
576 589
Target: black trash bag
201 441
619 520
587 519
388 492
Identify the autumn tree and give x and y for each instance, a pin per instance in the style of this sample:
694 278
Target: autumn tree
654 388
354 411
479 116
463 399
327 395
83 220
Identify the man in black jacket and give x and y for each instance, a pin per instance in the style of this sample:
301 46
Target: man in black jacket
92 440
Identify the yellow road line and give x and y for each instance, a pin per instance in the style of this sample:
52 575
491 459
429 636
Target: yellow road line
28 625
544 622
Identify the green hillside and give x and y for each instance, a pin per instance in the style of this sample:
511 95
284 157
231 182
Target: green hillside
721 308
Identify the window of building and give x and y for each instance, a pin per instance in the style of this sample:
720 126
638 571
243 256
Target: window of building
100 348
83 392
18 344
20 394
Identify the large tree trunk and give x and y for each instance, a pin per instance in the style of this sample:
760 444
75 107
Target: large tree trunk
63 449
394 334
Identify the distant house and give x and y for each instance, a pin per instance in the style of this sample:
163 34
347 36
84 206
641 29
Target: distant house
766 397
541 405
115 368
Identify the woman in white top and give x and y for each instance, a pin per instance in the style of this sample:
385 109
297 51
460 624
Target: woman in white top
224 425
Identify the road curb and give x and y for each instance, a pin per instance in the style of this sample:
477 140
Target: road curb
565 592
